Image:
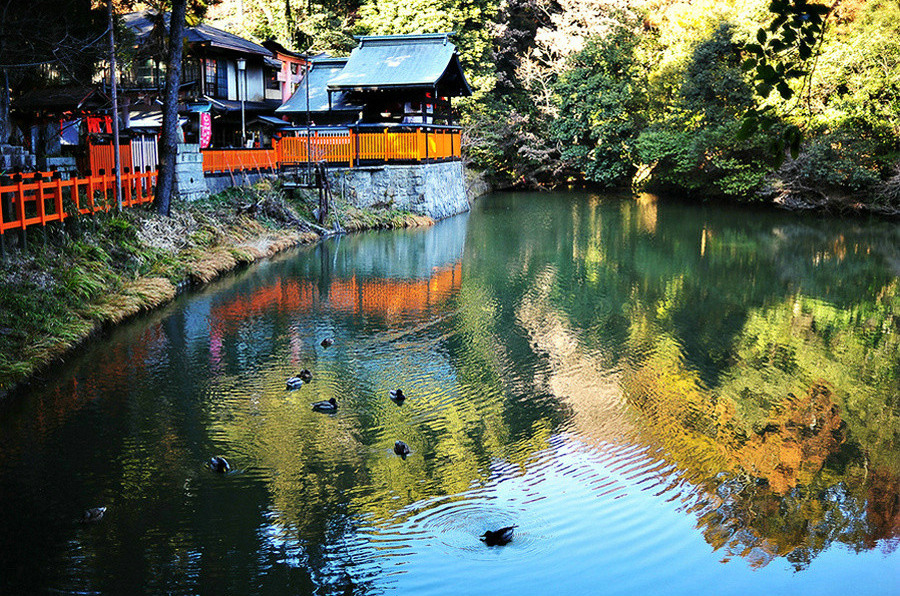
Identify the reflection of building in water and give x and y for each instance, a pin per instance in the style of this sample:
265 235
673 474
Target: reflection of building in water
120 363
404 254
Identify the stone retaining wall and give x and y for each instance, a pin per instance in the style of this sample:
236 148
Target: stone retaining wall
434 189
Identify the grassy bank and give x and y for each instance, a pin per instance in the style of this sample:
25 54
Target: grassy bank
95 272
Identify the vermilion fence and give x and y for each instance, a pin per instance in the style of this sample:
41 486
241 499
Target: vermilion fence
42 197
357 145
229 160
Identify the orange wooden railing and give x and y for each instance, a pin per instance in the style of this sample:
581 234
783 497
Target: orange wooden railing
228 160
102 158
354 145
42 197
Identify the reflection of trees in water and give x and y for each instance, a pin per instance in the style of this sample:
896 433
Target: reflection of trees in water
764 358
802 425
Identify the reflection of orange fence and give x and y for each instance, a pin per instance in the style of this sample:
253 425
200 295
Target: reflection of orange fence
232 160
385 297
354 145
43 197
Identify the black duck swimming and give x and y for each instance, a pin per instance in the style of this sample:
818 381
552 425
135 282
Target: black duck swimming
325 406
498 537
92 515
219 464
401 449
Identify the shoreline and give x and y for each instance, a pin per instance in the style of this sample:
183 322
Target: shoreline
239 239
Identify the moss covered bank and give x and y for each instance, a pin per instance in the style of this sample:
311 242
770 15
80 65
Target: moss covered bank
92 273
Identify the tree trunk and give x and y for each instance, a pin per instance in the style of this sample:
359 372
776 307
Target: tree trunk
5 127
165 184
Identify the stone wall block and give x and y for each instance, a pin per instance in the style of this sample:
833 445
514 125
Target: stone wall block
436 189
190 182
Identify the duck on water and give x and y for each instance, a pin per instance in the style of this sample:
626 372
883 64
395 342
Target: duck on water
498 537
325 406
304 376
401 449
219 464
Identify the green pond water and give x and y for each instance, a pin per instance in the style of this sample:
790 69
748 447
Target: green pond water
663 398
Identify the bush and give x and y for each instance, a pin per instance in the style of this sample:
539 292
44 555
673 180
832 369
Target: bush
601 101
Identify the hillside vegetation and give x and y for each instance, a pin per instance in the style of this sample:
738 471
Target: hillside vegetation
649 93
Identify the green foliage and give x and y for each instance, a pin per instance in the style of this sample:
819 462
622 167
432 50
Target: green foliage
857 81
785 46
783 55
835 161
693 148
703 159
600 99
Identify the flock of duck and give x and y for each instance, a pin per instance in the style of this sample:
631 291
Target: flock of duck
220 465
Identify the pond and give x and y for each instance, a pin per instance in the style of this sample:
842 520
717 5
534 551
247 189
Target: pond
663 398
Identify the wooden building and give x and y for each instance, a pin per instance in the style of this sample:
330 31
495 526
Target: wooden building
233 78
293 68
387 79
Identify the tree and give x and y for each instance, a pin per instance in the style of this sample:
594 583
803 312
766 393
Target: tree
44 41
693 147
165 184
601 106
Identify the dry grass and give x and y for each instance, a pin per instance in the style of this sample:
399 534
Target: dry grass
170 234
134 297
210 265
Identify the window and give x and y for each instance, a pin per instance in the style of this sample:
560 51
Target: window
190 70
222 78
216 78
294 68
272 81
145 73
209 78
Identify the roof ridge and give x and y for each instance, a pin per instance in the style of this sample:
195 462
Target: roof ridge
405 38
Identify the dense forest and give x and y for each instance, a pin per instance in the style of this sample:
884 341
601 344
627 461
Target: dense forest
651 93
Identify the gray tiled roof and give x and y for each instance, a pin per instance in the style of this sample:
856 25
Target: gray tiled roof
142 24
322 71
393 61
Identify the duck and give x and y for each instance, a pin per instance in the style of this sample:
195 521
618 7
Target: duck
401 449
325 406
498 537
304 376
92 515
219 464
397 395
327 342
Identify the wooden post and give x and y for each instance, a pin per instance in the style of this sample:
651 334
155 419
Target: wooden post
115 106
20 207
58 195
